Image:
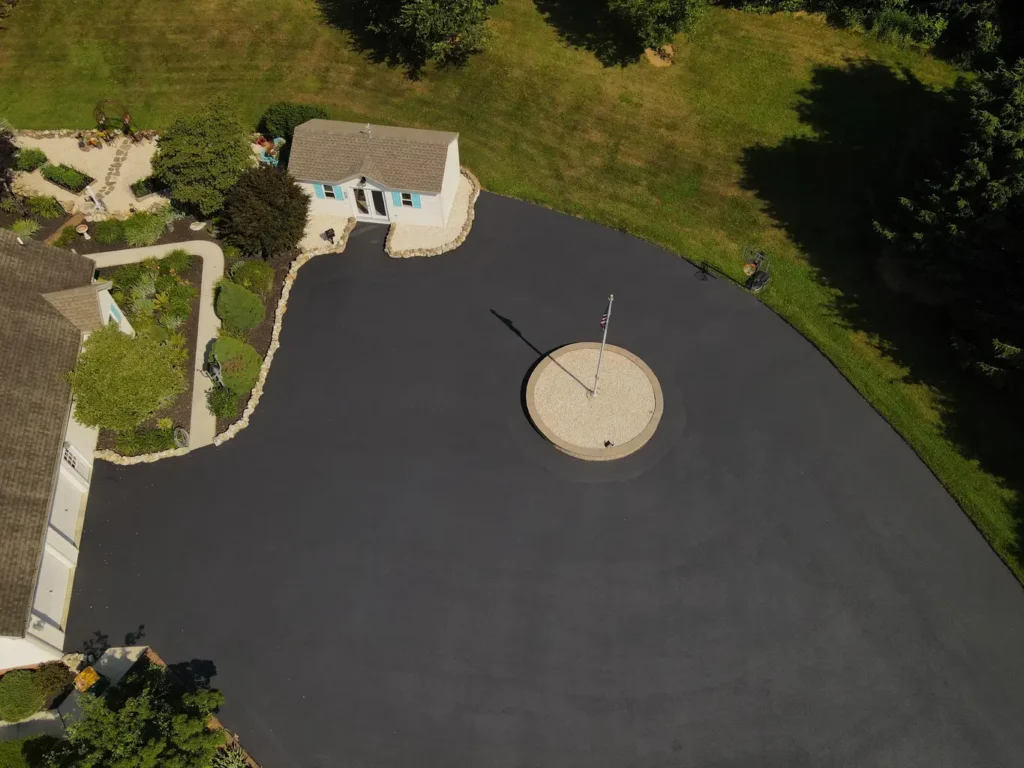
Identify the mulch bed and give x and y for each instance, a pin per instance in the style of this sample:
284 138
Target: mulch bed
179 233
180 411
46 226
260 336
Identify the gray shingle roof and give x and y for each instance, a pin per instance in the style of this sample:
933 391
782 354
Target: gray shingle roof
399 158
37 346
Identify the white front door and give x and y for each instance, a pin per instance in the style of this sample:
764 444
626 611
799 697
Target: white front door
370 204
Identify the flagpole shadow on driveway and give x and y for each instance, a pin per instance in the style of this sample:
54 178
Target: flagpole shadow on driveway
511 326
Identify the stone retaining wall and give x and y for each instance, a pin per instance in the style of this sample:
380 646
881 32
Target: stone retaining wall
451 245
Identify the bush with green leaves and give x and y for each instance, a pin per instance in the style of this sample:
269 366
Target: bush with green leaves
108 231
266 213
9 204
20 697
223 403
53 679
255 275
179 261
25 753
65 176
66 238
142 440
201 156
283 117
239 364
148 720
238 308
29 159
120 381
147 186
25 227
230 756
655 22
142 228
46 207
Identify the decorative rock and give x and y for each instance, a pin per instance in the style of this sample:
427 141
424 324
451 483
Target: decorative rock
195 226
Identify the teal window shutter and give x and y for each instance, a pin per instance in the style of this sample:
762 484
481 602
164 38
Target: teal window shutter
415 200
339 193
318 189
396 198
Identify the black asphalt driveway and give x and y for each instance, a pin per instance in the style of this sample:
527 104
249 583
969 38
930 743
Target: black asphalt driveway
390 568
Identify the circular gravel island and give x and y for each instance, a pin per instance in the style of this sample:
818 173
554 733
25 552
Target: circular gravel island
620 419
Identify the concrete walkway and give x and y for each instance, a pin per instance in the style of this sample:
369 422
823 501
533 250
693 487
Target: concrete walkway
203 426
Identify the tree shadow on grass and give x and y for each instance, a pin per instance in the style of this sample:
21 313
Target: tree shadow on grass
877 133
588 24
379 48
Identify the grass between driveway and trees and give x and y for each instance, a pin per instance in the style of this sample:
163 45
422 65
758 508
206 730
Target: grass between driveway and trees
777 131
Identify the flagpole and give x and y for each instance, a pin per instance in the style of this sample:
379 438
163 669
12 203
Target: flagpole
604 340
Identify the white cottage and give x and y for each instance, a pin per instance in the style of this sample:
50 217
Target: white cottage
376 173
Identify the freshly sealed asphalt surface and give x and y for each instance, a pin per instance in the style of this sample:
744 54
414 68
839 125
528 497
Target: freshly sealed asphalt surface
391 568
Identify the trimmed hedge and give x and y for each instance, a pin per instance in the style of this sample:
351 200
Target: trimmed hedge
239 364
237 307
67 177
255 275
20 696
29 159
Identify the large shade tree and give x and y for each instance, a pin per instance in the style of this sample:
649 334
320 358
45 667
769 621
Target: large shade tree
265 213
963 234
201 156
655 22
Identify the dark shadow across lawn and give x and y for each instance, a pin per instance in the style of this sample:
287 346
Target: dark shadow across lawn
877 132
589 25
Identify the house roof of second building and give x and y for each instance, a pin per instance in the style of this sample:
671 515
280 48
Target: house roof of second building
38 345
400 158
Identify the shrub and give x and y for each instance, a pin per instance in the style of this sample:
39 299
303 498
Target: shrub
223 403
179 261
29 159
19 696
119 381
65 176
201 156
142 228
13 753
135 442
231 756
66 238
266 213
655 22
283 117
46 206
254 274
239 308
53 679
107 232
239 364
9 204
147 186
25 227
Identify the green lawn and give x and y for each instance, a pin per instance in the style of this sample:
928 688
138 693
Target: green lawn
774 131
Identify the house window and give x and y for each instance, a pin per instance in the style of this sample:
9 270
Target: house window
407 199
74 462
329 191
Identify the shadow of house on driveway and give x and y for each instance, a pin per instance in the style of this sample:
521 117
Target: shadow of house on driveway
877 133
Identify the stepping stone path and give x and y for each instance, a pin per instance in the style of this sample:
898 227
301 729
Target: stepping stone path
114 171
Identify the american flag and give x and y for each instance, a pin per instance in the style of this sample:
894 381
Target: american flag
604 320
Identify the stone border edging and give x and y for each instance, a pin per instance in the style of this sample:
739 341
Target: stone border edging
596 454
452 244
257 390
282 307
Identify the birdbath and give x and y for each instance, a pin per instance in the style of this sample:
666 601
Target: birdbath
83 230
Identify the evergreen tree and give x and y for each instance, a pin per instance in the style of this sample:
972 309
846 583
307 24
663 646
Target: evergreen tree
964 234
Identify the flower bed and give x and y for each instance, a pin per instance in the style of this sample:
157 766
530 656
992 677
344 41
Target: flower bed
66 177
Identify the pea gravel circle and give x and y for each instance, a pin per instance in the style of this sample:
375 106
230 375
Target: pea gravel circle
616 422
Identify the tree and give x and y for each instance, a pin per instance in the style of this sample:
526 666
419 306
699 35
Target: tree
266 213
149 720
963 235
120 380
202 155
283 117
420 31
656 22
